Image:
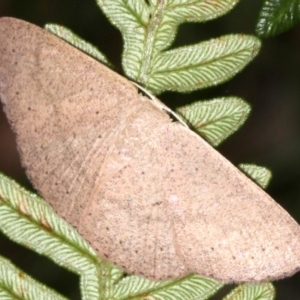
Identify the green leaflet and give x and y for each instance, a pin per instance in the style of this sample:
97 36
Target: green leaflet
277 16
259 174
150 29
73 39
131 18
28 220
15 284
261 291
215 119
202 65
189 287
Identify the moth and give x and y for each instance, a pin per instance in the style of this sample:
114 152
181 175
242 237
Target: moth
148 193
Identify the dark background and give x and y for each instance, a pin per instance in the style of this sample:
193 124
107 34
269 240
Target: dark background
270 137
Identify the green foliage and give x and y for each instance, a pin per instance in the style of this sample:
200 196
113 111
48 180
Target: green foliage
148 29
189 287
14 284
29 220
277 16
264 291
76 41
260 175
215 119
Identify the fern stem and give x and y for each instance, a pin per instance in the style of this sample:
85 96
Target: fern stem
149 49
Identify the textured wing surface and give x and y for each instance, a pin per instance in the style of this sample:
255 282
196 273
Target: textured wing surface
130 221
225 225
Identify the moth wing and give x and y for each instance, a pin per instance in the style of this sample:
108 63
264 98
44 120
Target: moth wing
149 194
225 226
